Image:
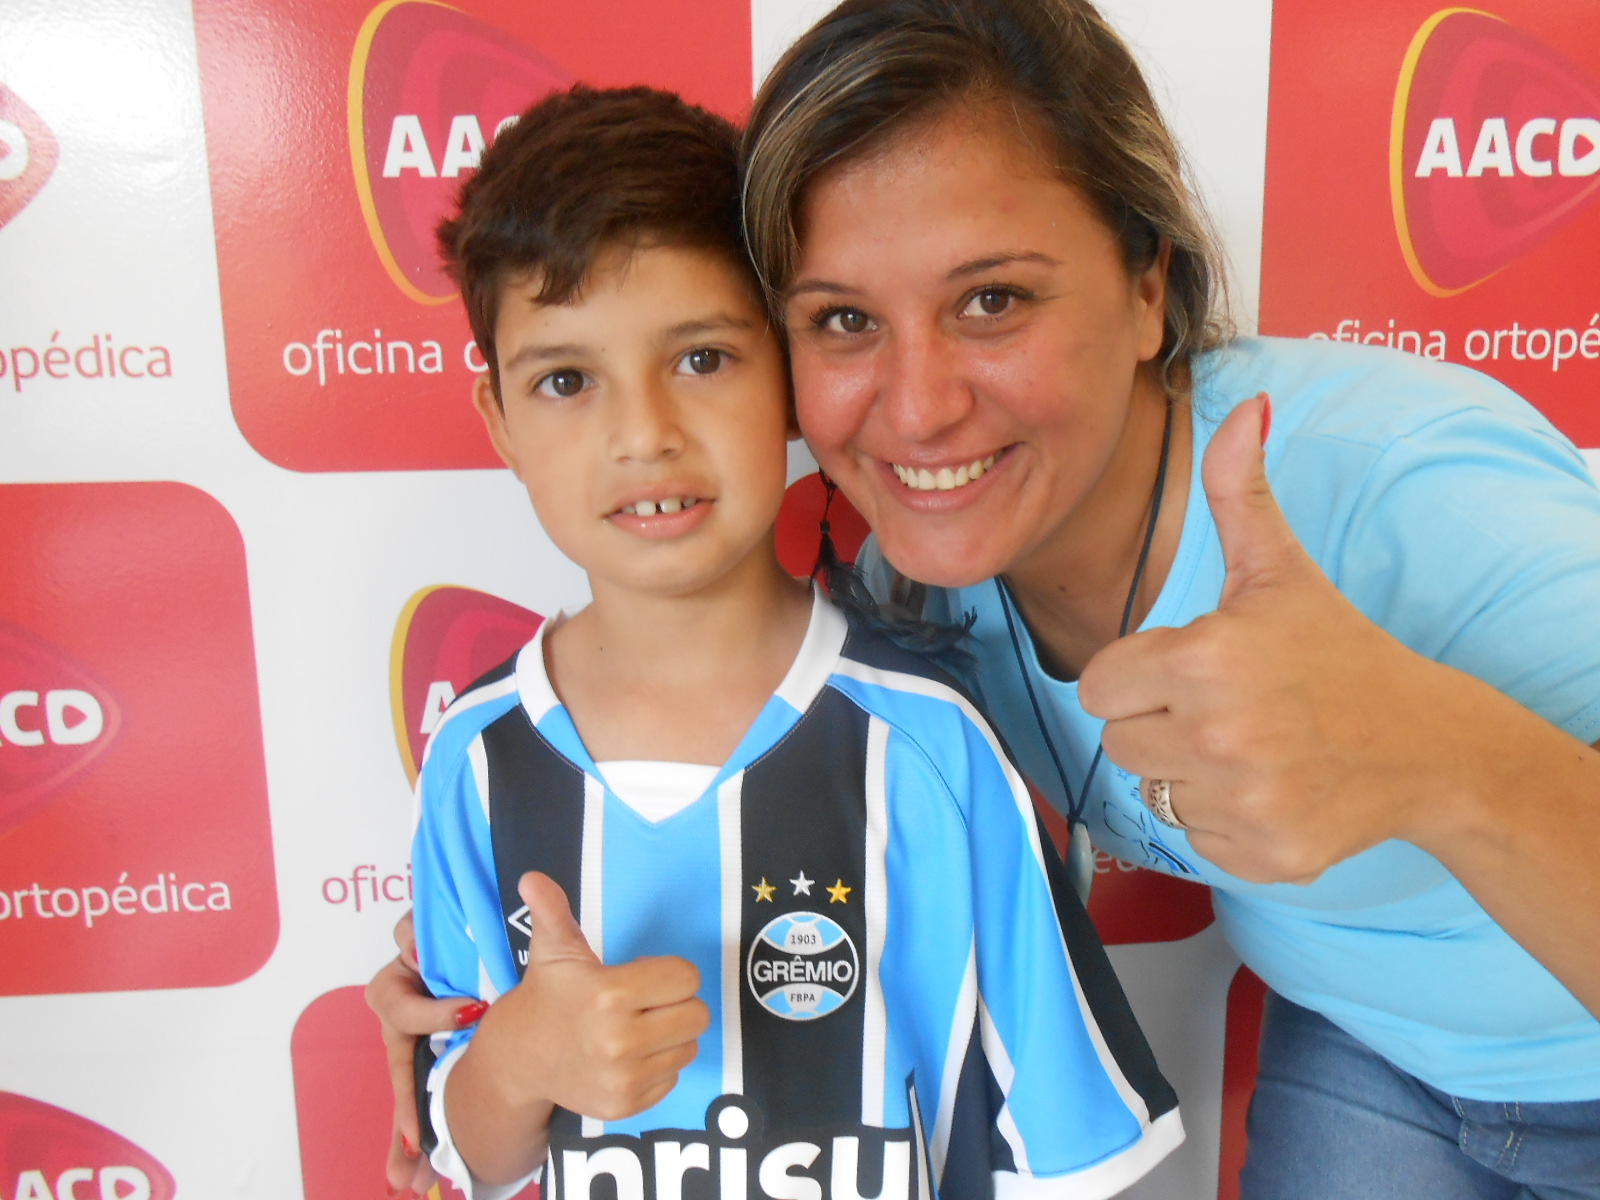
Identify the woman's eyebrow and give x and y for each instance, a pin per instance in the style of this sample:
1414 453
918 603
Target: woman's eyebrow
825 286
974 266
988 263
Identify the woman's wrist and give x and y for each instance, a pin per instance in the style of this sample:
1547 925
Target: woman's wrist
1481 769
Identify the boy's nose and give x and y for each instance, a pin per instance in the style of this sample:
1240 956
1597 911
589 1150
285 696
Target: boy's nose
647 425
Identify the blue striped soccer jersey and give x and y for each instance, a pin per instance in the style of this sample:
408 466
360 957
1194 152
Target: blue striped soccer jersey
907 999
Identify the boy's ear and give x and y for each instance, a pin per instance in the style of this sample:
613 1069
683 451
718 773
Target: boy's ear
487 402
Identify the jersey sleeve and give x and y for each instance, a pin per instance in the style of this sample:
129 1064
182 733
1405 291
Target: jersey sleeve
1033 1071
456 910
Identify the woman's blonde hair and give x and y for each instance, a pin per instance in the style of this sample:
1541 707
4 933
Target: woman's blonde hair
873 68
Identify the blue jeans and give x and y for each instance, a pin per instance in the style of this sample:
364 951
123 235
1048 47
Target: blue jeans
1332 1120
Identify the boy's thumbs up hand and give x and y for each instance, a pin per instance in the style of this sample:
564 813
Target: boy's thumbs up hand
1285 722
601 1041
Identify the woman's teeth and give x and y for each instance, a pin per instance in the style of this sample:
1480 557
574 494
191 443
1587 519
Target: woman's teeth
649 508
944 479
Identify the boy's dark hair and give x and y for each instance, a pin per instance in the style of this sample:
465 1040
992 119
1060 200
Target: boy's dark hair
582 170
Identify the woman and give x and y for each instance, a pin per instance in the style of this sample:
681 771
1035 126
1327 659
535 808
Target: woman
1365 718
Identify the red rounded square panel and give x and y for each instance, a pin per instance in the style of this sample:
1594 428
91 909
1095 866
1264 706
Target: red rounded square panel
43 1147
1433 184
344 1104
338 135
135 845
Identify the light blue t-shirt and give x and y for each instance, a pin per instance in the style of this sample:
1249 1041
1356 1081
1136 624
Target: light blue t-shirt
1456 518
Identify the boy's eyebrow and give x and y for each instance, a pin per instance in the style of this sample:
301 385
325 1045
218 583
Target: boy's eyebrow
707 324
539 352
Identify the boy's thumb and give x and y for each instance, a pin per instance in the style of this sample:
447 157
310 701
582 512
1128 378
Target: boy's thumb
1257 544
553 934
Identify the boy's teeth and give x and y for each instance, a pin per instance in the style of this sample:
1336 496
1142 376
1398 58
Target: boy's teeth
668 505
943 480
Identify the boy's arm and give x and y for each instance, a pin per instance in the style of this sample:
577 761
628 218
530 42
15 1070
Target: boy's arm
606 1042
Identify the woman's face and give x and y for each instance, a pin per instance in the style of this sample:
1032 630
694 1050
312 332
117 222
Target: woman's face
967 347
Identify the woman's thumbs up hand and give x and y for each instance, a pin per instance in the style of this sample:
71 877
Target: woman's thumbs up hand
1293 731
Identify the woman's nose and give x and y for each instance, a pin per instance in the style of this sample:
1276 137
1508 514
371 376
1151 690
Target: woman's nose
925 392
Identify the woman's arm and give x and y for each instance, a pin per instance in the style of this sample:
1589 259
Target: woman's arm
1296 733
406 1011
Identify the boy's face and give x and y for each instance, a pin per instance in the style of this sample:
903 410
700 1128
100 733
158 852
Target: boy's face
647 419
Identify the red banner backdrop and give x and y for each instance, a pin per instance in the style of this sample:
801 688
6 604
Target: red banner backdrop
135 848
338 134
49 1153
1433 184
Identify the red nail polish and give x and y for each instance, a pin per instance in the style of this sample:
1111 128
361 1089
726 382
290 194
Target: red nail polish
405 1144
1266 418
469 1014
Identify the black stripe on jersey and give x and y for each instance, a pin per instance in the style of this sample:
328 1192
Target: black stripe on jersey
872 649
974 1126
535 824
422 1060
1102 991
804 813
492 675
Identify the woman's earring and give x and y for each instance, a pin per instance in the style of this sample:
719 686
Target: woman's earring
827 553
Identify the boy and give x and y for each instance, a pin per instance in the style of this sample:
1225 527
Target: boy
760 904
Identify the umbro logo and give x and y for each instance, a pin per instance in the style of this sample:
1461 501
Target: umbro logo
522 922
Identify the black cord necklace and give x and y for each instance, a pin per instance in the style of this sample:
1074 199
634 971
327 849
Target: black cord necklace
1077 802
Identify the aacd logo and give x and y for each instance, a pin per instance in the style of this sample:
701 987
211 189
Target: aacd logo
48 1153
28 154
445 638
1494 145
55 720
430 86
